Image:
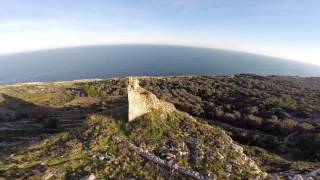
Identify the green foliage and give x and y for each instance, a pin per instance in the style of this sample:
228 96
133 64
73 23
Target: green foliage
287 126
253 121
72 155
311 144
153 127
252 110
264 97
106 88
303 114
270 161
91 90
274 105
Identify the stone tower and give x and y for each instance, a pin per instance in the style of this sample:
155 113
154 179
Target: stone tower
142 101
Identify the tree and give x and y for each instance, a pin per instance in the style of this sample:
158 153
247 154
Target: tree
272 125
253 121
90 90
253 110
303 114
288 126
219 114
282 114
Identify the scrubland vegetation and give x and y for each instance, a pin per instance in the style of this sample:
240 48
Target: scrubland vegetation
276 119
91 149
277 106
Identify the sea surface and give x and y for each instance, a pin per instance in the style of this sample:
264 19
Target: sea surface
145 60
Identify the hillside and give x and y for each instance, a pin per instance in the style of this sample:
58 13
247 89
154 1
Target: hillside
72 130
270 109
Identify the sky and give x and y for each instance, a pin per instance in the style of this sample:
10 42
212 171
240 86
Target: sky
282 28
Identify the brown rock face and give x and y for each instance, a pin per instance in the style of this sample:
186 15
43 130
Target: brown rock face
142 101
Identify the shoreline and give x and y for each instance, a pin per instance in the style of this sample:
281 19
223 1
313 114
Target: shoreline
95 79
142 77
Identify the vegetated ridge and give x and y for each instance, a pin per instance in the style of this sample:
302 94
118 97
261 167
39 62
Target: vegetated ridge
75 130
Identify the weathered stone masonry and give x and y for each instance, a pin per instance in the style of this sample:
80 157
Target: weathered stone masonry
142 101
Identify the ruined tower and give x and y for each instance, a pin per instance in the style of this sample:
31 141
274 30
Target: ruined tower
142 101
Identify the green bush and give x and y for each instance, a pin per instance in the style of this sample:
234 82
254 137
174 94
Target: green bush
90 90
253 121
310 144
288 126
303 114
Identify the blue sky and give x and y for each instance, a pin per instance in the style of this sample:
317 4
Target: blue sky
282 28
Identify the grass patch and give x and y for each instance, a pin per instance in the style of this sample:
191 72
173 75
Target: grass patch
153 127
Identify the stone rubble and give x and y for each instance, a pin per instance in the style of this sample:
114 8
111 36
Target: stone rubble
296 175
89 177
161 162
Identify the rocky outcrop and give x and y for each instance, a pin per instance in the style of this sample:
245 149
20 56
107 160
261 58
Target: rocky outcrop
142 101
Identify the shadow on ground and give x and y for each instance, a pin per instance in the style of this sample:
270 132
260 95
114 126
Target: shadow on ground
24 123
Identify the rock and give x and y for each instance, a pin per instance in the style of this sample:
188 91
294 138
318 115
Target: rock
237 148
168 156
297 177
163 116
108 156
309 178
275 177
182 153
219 156
229 168
288 177
221 146
101 157
87 168
89 177
49 176
228 175
315 174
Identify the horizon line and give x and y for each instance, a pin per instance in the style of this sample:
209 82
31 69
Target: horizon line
154 44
